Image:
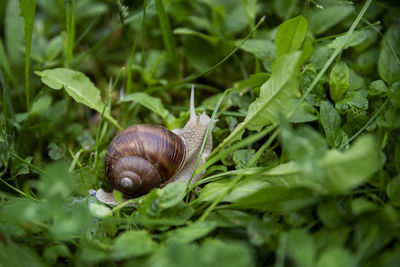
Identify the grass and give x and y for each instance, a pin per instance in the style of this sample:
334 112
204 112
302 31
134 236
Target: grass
295 178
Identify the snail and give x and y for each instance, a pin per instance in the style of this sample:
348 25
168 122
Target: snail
146 156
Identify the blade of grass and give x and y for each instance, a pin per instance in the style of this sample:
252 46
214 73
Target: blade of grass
245 142
70 23
28 10
208 132
167 35
20 192
28 164
102 118
4 63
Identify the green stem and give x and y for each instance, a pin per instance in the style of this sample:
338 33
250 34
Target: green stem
27 163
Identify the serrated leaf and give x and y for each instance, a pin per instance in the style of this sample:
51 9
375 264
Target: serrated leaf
78 86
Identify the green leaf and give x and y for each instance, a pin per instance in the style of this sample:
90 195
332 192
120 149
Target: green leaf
14 33
276 95
339 81
133 244
290 36
190 233
389 62
12 254
356 38
393 190
331 121
301 248
278 92
353 100
336 256
152 103
377 87
84 179
290 185
55 184
346 170
317 18
99 211
78 86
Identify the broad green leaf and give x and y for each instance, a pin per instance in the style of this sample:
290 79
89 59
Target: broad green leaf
275 188
320 20
336 256
152 103
353 100
133 244
356 38
172 194
346 170
70 224
14 33
55 184
339 81
331 121
389 62
262 49
301 248
290 36
377 87
99 211
393 190
190 233
12 254
278 92
78 86
329 212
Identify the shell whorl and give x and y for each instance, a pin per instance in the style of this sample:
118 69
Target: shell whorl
142 157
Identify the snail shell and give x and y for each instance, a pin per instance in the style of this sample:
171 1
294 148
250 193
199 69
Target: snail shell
147 156
142 157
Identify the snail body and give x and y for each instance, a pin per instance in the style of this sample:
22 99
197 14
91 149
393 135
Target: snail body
146 156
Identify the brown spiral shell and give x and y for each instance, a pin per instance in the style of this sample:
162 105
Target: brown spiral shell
142 157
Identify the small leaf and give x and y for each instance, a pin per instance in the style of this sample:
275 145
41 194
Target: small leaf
99 211
301 248
190 233
133 244
389 62
331 121
393 191
336 257
356 38
339 81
